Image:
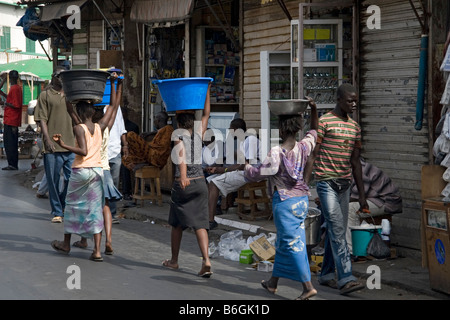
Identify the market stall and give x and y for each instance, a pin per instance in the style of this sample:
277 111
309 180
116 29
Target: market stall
31 86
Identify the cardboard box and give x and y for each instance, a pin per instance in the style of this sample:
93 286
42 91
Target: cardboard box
435 228
326 52
263 249
310 55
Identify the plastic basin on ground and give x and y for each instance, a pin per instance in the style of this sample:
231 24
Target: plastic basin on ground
361 236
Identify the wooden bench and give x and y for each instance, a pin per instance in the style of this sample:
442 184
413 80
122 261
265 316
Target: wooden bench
248 197
152 174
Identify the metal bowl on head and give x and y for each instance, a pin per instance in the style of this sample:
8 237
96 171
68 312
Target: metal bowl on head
288 107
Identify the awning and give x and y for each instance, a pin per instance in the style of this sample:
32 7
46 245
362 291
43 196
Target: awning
42 68
156 11
58 10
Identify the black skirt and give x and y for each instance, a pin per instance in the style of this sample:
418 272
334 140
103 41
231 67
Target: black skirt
189 207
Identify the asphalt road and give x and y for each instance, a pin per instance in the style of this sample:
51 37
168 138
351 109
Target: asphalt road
32 270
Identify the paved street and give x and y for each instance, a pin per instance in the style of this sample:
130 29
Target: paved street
32 270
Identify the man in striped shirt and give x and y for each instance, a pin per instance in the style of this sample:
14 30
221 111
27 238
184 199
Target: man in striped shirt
335 160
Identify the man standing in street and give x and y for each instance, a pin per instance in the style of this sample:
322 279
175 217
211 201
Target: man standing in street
12 119
117 145
336 159
51 114
125 173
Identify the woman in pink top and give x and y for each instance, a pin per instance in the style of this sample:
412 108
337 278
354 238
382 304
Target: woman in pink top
284 167
85 194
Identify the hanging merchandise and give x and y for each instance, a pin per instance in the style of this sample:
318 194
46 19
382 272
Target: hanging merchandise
153 95
30 20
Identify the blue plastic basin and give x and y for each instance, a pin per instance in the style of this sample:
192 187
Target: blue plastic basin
107 93
183 93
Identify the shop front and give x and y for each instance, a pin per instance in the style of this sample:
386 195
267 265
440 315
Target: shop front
188 39
375 45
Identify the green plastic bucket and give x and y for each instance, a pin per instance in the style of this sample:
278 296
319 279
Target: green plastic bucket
361 236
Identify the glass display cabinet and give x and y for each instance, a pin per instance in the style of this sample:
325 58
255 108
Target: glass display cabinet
317 59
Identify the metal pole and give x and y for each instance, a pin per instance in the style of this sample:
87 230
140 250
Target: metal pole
106 19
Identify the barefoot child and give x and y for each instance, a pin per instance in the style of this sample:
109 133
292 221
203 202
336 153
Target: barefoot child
85 194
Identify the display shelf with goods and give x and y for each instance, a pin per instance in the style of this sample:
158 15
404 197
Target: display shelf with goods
319 59
165 60
221 62
275 85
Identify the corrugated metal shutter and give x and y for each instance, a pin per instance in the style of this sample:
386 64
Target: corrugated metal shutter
389 65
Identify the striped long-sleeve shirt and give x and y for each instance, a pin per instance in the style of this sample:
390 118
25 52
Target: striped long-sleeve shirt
337 138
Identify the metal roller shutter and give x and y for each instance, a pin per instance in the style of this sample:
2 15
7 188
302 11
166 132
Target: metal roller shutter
389 69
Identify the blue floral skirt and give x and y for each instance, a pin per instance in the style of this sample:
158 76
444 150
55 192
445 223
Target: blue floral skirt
291 258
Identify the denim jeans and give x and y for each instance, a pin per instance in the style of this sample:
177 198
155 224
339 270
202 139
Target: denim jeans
114 168
53 164
334 205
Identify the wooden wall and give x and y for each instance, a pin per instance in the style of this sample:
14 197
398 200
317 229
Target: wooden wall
265 28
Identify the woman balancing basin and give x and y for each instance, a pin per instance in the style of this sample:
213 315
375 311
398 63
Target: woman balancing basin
288 107
184 93
84 84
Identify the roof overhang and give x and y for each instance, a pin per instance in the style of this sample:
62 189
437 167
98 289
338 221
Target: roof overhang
59 9
161 11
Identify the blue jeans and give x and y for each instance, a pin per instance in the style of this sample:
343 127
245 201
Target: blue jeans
334 206
114 168
53 164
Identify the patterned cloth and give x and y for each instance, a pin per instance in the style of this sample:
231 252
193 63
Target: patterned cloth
379 189
84 202
291 258
154 153
285 168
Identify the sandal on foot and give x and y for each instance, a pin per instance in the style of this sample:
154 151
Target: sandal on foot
57 246
108 249
79 244
265 285
166 263
330 283
57 219
96 259
205 272
351 286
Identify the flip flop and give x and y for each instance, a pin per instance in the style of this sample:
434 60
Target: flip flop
96 259
78 244
332 283
108 249
205 272
166 262
265 285
57 248
350 287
